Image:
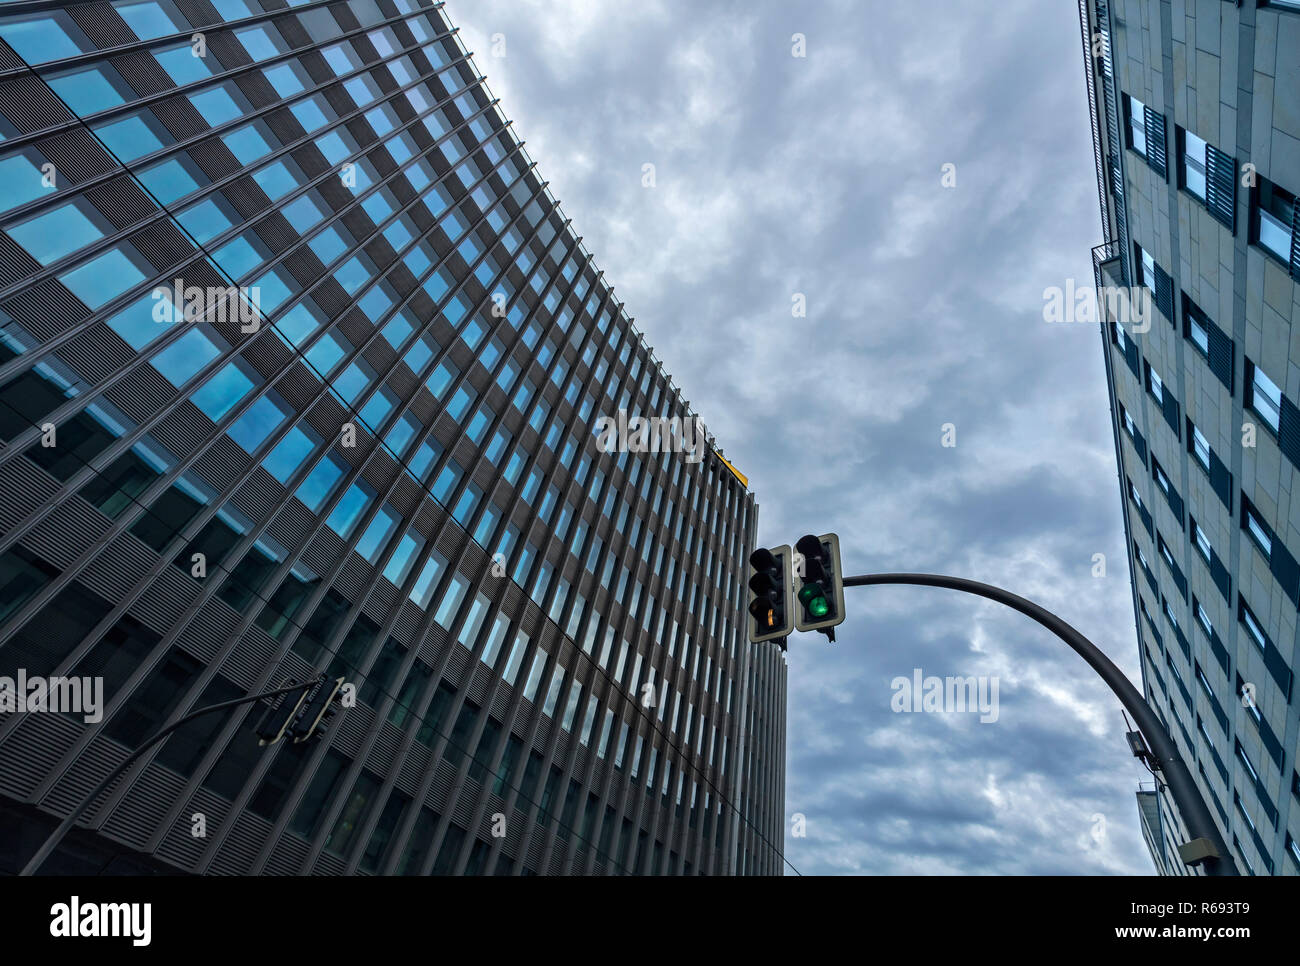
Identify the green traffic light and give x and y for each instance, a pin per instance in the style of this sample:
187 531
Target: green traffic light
813 598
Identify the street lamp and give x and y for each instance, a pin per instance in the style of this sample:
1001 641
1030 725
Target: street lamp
66 825
1205 845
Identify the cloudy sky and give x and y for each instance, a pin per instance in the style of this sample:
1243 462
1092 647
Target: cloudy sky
822 176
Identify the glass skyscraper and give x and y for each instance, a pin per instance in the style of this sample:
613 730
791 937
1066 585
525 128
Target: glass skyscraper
1196 132
300 365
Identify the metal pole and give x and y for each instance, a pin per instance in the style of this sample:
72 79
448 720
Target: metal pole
1182 787
65 826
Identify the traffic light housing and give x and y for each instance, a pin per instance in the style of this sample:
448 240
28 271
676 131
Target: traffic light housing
278 718
818 584
319 707
771 594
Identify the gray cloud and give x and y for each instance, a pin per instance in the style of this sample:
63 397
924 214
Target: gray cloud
777 175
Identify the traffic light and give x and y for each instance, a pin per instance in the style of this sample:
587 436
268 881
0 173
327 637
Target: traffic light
276 719
819 584
317 710
771 594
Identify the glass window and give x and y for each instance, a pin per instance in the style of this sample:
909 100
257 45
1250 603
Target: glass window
205 220
56 232
146 318
1156 386
148 20
20 181
171 179
350 507
400 563
88 90
1252 625
1201 448
102 279
1202 542
222 391
353 380
1203 618
1276 212
424 457
258 424
363 90
261 41
247 144
40 39
469 628
1194 164
446 482
1148 269
238 257
425 584
132 136
321 25
1169 612
303 213
402 69
451 599
1198 333
285 78
289 454
486 525
378 206
329 244
1121 338
1265 398
400 436
218 107
1258 530
320 482
296 325
459 402
478 425
378 407
441 377
186 356
276 179
269 291
421 351
571 705
353 274
312 112
535 674
496 637
465 505
183 65
341 58
511 669
1254 776
375 303
376 536
232 9
1161 480
335 148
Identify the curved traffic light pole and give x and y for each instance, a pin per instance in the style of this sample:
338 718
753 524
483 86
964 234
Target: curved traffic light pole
66 825
1164 754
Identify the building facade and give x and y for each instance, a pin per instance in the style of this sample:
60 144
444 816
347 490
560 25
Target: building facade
1196 130
299 373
